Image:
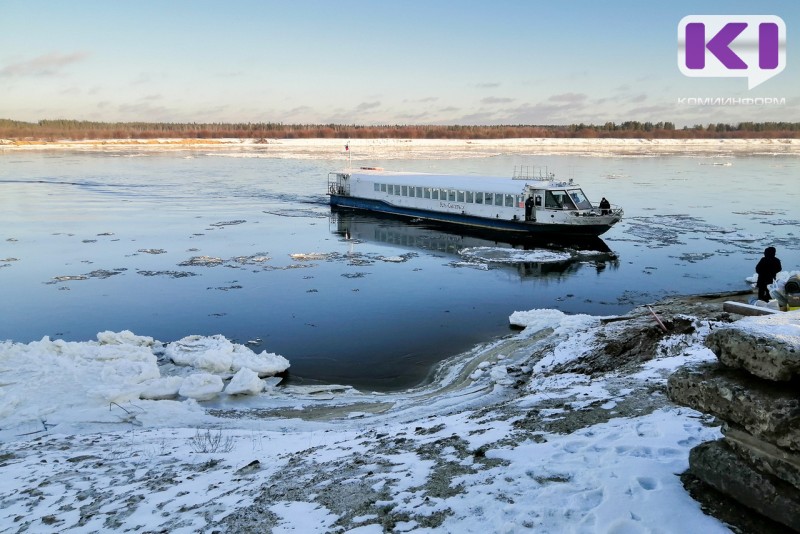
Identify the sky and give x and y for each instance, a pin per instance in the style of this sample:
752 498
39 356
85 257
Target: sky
374 62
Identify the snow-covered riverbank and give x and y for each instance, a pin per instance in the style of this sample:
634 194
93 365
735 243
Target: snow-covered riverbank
564 426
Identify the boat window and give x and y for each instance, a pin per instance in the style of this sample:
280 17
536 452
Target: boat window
498 199
419 192
470 197
509 201
377 187
479 198
460 196
558 200
550 201
488 198
451 195
404 190
383 188
435 194
442 194
518 200
427 192
580 199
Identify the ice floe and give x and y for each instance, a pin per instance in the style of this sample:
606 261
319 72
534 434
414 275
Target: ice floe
512 255
50 379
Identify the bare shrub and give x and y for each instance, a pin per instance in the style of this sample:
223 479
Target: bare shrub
210 443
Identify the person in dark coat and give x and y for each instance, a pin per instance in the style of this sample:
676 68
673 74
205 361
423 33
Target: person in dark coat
605 207
767 269
528 208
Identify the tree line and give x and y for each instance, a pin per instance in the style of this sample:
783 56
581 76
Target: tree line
53 130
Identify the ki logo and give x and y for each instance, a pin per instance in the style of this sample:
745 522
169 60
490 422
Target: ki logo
728 46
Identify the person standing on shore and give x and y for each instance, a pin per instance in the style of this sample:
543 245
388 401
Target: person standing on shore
767 269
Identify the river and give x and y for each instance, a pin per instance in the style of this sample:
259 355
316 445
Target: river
170 244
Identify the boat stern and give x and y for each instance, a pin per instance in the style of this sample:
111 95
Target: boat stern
338 185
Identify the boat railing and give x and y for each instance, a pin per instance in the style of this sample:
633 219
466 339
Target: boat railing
613 209
530 172
338 184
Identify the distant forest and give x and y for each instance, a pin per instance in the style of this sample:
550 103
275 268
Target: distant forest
53 130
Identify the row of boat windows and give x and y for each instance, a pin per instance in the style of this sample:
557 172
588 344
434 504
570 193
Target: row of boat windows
451 195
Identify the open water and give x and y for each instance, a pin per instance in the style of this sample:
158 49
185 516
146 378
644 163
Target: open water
173 244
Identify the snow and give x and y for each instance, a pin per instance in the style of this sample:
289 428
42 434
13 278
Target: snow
218 355
245 382
201 386
54 379
371 149
784 327
511 255
115 434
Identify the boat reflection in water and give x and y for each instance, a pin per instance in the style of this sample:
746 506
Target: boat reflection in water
529 256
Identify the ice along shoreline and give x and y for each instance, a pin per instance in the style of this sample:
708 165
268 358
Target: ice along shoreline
361 149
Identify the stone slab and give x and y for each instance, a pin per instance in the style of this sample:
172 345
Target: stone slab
767 346
768 410
718 466
764 456
746 309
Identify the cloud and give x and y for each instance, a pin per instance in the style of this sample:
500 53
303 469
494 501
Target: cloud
496 100
300 110
558 109
46 65
479 117
367 106
573 98
413 116
424 100
142 78
144 111
650 111
487 85
353 115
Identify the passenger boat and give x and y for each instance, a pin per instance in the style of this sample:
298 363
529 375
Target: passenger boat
524 204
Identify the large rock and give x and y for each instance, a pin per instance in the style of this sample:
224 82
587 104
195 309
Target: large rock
764 456
767 410
768 346
718 466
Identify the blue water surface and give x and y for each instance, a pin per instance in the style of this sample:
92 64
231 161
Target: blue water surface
173 244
